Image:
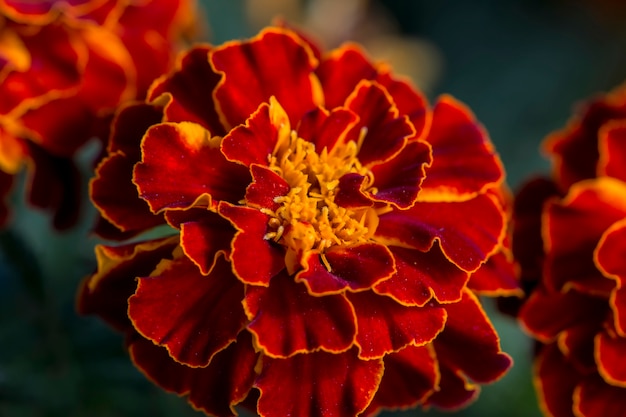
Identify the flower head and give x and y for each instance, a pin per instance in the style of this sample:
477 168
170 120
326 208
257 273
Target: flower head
569 242
64 68
332 232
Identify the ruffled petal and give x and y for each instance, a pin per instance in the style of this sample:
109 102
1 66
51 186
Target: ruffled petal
254 141
179 308
385 326
609 258
286 320
187 90
337 385
265 187
297 88
325 129
555 380
251 227
594 398
357 267
423 275
498 277
206 238
591 206
228 378
106 292
576 344
468 325
200 170
542 316
454 391
464 239
411 375
612 160
609 354
465 162
398 181
386 130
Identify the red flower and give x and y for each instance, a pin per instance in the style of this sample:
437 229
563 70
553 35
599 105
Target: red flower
331 231
64 67
578 307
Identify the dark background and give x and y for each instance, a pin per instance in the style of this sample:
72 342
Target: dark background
521 66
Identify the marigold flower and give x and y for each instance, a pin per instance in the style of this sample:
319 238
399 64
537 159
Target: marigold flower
64 67
332 234
570 243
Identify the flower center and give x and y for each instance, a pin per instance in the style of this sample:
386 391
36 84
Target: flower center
308 217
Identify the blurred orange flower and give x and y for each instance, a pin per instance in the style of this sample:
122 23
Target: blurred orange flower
332 231
64 67
571 243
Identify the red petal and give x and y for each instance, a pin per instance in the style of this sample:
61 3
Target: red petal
205 238
555 382
469 231
609 258
398 180
192 315
410 376
116 197
332 385
349 192
341 71
189 91
387 131
469 343
216 388
543 313
254 142
609 357
454 391
612 154
181 163
356 268
497 277
106 292
575 148
385 326
576 344
422 275
572 229
274 63
251 227
286 319
265 187
465 162
129 126
595 398
326 129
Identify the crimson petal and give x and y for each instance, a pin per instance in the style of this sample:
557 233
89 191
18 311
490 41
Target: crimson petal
228 378
592 206
192 315
205 238
410 376
186 150
296 88
469 231
285 319
612 155
329 385
422 275
454 391
481 358
357 267
556 381
251 227
265 187
464 160
385 326
187 90
595 398
609 357
326 129
106 292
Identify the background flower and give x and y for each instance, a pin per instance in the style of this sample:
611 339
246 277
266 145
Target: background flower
332 229
64 67
576 308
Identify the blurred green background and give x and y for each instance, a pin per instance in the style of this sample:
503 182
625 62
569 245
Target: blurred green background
521 66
